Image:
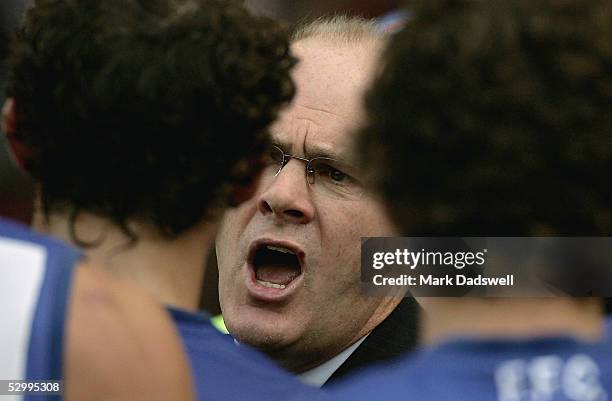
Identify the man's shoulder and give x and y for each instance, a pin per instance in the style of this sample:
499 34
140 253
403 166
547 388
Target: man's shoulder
71 321
484 370
382 381
35 276
396 336
224 369
608 327
205 343
14 231
121 343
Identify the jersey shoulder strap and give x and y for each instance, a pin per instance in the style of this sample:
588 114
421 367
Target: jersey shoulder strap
35 280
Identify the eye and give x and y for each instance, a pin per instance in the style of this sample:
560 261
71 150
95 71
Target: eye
273 159
337 175
332 174
273 156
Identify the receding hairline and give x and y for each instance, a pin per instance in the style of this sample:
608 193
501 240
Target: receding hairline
340 29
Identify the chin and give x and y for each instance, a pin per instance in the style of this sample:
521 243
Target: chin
262 331
263 338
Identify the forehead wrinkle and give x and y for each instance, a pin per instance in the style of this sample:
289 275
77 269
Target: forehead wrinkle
320 149
308 148
323 110
287 134
314 148
310 122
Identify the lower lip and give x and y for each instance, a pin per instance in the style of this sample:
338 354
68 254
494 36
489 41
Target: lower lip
267 294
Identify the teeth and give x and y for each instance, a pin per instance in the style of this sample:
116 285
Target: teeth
283 250
271 285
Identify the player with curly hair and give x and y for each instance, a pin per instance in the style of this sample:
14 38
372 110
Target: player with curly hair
492 118
140 121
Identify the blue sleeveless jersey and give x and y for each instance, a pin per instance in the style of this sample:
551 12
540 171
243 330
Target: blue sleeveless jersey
554 369
35 279
226 371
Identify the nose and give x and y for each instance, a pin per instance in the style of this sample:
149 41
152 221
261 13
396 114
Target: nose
287 196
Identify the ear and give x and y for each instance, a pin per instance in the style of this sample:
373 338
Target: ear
10 126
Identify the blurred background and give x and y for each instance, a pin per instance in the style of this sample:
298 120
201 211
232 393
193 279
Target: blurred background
15 188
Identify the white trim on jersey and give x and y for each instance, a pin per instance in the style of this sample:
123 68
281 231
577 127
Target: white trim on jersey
22 269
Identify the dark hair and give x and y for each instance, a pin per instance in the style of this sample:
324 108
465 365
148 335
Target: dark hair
3 40
142 109
493 117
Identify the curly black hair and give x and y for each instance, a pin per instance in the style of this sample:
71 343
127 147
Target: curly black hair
3 45
142 109
493 117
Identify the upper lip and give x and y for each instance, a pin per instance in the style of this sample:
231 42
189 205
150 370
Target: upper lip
261 242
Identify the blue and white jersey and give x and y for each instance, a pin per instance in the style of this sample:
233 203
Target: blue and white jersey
552 369
35 278
225 371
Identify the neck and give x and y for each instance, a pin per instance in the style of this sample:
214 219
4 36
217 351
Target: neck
518 318
172 270
307 360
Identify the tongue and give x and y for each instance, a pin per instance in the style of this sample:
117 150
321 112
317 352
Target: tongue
277 274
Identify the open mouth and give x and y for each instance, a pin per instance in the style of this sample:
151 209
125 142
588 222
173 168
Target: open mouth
275 266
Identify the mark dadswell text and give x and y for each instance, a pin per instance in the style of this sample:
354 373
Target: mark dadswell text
445 281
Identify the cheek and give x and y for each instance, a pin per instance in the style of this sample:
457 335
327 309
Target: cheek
342 228
347 223
231 230
375 222
234 222
339 236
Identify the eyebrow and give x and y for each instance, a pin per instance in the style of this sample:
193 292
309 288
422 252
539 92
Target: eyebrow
317 150
311 151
